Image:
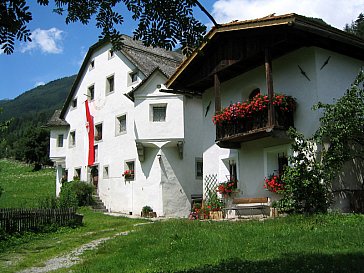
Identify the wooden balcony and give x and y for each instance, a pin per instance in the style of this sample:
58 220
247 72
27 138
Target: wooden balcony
231 134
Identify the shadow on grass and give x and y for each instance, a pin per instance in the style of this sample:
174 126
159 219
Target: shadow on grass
296 262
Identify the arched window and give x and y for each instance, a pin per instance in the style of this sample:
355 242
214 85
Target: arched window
253 93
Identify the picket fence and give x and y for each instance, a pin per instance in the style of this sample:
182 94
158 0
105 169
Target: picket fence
20 220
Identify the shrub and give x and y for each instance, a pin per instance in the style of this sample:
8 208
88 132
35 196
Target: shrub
76 193
48 202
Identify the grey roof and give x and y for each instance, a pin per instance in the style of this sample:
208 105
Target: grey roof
146 59
56 121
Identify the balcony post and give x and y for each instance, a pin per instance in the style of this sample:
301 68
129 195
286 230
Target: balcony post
217 93
269 80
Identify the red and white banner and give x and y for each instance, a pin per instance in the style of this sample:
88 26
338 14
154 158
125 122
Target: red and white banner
91 133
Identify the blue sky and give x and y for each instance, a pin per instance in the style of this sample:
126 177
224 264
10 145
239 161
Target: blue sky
58 49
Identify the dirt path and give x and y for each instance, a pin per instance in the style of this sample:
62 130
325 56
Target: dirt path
72 258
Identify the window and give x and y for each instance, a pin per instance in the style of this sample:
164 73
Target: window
133 77
60 140
159 113
105 173
96 151
72 139
98 132
91 92
111 54
282 163
253 93
199 168
121 124
92 65
233 172
77 174
74 103
129 170
110 84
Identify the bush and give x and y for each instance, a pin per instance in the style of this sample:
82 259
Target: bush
76 194
48 202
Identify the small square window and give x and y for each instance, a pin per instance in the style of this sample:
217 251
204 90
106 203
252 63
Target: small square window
199 168
92 65
72 139
121 124
74 103
129 170
133 77
60 140
105 173
91 92
159 113
98 132
109 84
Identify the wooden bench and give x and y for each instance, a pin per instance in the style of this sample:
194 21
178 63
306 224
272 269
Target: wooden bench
254 203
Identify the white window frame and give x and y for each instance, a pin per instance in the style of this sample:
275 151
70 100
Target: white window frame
91 96
72 139
127 165
106 172
108 86
60 140
97 137
110 54
74 103
92 65
130 77
118 127
152 114
77 173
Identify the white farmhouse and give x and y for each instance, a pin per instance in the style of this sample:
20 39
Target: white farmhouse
289 54
143 150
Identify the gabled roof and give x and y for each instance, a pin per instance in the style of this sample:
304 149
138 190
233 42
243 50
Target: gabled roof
237 47
130 94
56 121
146 59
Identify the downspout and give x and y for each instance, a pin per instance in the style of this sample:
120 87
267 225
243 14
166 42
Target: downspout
269 81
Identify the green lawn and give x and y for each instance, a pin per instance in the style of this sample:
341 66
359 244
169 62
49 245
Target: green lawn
23 187
320 243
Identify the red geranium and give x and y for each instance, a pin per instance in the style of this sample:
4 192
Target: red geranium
274 184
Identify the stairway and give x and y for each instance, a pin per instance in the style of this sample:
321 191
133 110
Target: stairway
98 204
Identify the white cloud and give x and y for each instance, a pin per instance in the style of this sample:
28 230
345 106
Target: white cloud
47 41
336 13
39 84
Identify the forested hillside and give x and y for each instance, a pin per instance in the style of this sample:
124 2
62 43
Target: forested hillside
28 113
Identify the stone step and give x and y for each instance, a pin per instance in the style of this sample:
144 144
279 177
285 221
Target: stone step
98 204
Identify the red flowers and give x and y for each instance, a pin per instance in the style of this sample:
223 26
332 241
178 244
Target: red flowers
274 184
128 173
249 109
227 188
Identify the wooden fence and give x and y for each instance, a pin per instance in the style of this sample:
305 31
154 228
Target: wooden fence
19 220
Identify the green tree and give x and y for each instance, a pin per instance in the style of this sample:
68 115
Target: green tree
35 147
162 23
356 27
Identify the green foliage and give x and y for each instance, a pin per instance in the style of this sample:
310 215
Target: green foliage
162 23
76 194
306 186
147 209
356 27
28 113
342 126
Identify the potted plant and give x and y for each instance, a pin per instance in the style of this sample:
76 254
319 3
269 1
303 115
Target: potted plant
128 174
148 212
274 184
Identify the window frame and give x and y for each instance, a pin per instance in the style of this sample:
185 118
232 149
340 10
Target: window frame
108 85
91 95
110 54
97 131
91 65
77 173
106 172
118 123
72 139
152 113
198 160
129 165
60 140
74 103
131 74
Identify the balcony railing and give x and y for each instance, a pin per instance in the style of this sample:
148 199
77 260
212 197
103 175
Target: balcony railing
247 121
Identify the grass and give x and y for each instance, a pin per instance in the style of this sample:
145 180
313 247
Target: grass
23 187
320 243
323 243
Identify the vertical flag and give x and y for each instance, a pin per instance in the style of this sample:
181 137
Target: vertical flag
90 130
